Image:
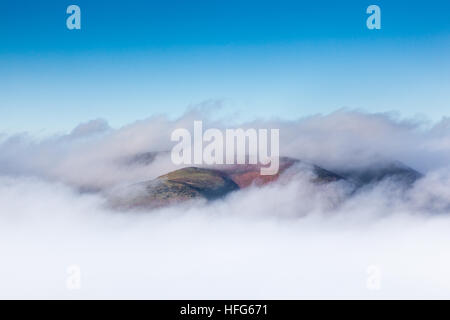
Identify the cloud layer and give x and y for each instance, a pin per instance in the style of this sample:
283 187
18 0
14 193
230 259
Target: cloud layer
290 239
92 153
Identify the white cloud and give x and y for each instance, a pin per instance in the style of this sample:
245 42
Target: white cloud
290 239
92 153
250 245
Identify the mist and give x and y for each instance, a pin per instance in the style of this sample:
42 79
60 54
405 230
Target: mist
289 239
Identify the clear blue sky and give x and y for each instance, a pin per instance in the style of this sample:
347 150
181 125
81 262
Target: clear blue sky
132 59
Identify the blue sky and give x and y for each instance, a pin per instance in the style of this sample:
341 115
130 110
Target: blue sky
132 59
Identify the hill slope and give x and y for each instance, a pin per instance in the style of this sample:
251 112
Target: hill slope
215 182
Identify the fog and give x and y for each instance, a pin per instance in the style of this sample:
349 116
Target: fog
93 154
289 239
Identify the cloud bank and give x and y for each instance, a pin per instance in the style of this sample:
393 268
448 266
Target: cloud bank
92 153
289 239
